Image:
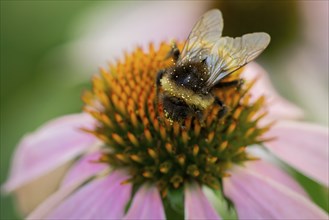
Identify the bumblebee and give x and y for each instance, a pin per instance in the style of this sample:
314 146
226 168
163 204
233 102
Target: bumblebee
186 88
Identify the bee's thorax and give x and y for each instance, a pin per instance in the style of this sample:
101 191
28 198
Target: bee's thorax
189 96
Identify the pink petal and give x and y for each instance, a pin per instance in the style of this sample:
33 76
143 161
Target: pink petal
105 38
54 200
78 174
267 170
304 146
197 205
32 194
52 145
147 204
278 107
84 168
259 197
103 198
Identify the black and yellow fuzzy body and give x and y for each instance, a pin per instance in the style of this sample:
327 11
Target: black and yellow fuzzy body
184 90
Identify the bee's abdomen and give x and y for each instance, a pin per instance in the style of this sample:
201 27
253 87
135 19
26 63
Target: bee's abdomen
175 108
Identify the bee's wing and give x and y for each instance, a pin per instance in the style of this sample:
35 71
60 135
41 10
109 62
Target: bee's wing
229 54
204 34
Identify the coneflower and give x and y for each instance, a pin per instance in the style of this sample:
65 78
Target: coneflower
130 160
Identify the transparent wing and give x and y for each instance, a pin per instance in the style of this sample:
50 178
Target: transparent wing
229 54
204 34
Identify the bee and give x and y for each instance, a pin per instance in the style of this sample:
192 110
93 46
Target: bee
187 87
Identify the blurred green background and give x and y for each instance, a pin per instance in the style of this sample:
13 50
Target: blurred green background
38 82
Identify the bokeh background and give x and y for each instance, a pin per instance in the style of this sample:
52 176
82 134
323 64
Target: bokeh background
50 49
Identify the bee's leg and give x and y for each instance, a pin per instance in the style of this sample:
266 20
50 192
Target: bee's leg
159 77
174 52
235 83
223 108
200 118
158 83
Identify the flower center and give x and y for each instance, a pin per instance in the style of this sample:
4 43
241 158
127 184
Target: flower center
139 138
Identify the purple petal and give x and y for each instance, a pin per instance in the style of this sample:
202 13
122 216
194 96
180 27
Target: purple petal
267 170
84 168
105 37
304 146
259 197
54 200
103 198
80 172
197 205
32 194
51 146
278 107
147 204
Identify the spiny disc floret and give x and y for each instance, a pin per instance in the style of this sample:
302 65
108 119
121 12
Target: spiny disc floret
133 128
